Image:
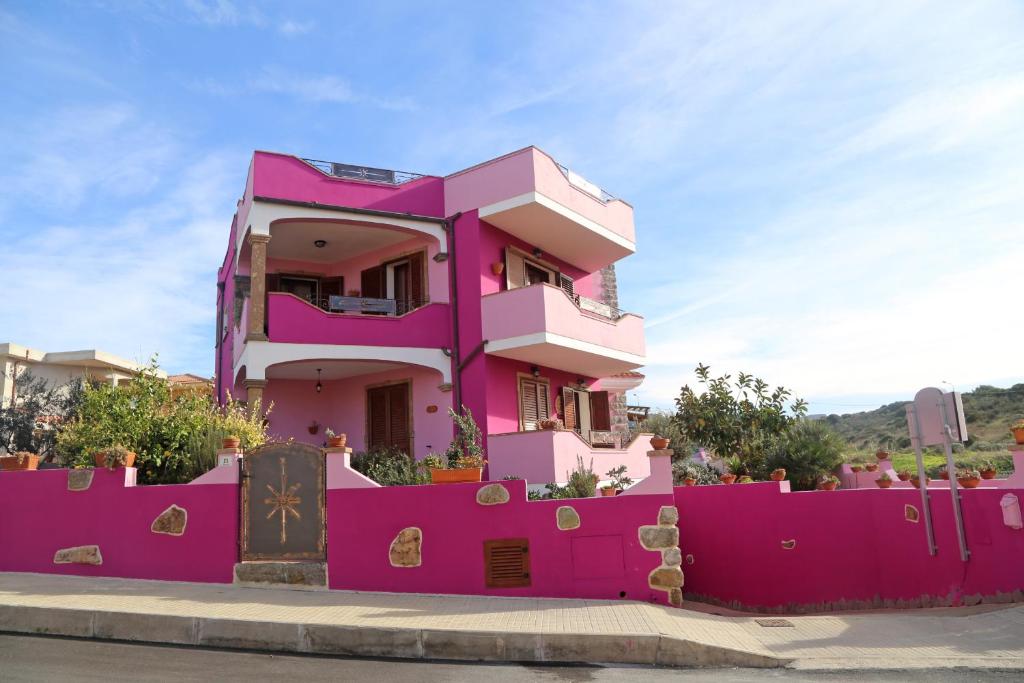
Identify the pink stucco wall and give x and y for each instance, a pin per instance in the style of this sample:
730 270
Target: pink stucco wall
39 516
601 559
342 407
502 391
546 456
293 320
284 176
851 546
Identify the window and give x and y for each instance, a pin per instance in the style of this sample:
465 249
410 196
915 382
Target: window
534 401
522 270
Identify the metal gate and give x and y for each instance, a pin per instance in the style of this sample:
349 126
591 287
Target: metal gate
283 503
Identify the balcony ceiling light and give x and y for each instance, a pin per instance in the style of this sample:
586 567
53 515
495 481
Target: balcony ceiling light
320 244
319 384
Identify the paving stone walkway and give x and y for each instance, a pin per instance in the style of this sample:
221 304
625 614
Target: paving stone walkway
494 628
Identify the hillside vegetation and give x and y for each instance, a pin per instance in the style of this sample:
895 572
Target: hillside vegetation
988 410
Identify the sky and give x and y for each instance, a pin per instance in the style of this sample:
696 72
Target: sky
828 195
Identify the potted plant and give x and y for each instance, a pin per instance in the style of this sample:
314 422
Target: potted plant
463 460
969 479
856 467
882 454
313 427
727 478
619 480
987 470
689 481
609 490
335 440
114 457
659 443
871 466
21 460
903 475
230 442
745 479
829 483
498 267
778 474
547 425
944 473
1018 430
884 481
917 482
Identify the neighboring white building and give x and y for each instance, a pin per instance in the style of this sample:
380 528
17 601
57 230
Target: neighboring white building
61 367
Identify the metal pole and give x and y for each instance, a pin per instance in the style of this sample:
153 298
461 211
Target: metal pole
915 440
947 444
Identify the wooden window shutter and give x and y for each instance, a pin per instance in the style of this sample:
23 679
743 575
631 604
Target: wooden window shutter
378 407
398 417
273 282
372 283
528 410
417 289
566 283
569 407
507 563
515 269
600 415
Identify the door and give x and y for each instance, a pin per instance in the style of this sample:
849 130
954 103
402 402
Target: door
388 417
283 503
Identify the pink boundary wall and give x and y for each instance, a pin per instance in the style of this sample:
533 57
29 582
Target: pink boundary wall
39 516
601 559
854 548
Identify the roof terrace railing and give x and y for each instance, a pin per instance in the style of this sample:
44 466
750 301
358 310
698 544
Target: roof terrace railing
366 173
581 183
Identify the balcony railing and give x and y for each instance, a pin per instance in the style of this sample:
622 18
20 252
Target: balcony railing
581 183
365 173
364 305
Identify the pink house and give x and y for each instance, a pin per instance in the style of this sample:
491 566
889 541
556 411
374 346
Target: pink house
370 301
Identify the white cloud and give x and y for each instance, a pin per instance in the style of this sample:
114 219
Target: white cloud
322 88
291 28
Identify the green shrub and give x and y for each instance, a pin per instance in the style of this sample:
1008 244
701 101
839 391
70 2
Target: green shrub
390 467
810 450
702 472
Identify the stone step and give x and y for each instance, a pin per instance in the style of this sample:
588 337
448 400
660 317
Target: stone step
304 576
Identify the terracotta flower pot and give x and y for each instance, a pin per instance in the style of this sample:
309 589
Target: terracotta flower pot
230 442
337 441
461 476
969 482
1018 435
100 457
871 467
608 491
498 268
10 463
778 475
827 486
690 481
882 455
856 468
944 474
988 474
727 478
883 483
917 482
903 476
659 443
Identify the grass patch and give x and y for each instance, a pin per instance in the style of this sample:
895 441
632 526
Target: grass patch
933 462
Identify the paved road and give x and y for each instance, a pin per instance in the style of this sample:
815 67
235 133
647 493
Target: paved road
35 658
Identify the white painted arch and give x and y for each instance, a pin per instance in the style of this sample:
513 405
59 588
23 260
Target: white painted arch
259 355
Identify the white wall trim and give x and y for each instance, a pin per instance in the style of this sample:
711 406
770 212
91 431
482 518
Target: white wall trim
497 345
259 355
561 209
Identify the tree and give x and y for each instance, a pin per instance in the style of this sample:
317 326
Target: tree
32 421
743 419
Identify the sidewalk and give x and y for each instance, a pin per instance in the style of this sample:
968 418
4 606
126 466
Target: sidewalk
497 629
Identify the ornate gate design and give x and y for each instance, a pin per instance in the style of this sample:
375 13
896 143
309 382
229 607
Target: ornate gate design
283 503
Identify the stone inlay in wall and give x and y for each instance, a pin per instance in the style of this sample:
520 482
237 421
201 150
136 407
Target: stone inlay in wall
80 554
406 549
659 537
492 494
80 480
664 537
171 521
789 544
911 514
567 518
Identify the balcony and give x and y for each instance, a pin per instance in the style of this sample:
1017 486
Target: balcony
546 456
541 325
531 196
293 320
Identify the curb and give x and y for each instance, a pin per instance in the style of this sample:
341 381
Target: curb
400 643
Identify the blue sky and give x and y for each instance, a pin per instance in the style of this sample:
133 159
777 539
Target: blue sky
829 195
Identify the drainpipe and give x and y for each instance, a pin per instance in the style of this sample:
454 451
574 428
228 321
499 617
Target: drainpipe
449 226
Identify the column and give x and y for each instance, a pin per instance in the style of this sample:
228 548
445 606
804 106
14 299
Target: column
254 391
257 288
